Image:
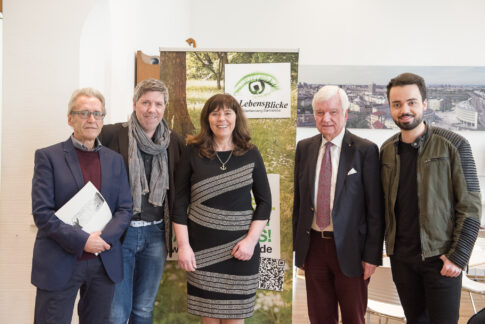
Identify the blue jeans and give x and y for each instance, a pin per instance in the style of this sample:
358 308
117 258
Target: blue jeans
144 255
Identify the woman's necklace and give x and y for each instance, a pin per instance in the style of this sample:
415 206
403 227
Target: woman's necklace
223 167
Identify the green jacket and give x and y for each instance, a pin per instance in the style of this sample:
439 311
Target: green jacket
449 199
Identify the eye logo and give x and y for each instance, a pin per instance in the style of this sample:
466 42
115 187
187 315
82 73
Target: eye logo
257 84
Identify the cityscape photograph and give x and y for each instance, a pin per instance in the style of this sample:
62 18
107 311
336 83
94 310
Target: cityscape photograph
456 95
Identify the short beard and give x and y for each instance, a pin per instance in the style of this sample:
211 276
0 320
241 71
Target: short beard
409 126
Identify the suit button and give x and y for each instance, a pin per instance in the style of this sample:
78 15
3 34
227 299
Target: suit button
312 209
308 232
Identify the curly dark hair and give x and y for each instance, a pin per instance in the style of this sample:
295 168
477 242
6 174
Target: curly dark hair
205 139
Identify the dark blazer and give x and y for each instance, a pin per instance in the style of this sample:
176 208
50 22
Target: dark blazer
57 178
357 214
115 137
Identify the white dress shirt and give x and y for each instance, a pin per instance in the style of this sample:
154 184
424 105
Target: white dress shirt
335 159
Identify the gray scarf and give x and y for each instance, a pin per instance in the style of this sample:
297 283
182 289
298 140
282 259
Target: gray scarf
138 140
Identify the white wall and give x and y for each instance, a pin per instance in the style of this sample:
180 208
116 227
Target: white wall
52 47
112 33
348 32
49 49
1 94
40 60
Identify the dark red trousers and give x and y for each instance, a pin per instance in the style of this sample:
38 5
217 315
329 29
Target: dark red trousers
327 287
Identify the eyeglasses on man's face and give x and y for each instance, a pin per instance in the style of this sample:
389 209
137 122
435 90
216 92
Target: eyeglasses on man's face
85 114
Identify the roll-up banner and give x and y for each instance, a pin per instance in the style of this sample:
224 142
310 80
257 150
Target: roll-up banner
265 84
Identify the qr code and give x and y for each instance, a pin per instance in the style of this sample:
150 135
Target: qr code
271 274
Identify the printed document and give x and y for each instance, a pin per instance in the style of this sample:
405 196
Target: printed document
86 210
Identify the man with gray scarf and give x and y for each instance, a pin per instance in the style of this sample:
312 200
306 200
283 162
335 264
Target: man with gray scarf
151 152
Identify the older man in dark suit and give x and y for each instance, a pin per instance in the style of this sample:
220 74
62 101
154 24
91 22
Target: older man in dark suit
337 213
67 259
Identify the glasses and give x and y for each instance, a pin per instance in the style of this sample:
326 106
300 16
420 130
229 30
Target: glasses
85 114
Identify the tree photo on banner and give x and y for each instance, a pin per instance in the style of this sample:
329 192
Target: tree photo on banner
194 76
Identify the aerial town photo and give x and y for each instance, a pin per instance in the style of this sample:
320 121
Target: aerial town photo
456 95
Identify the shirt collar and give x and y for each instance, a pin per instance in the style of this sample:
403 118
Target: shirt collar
77 144
420 140
337 140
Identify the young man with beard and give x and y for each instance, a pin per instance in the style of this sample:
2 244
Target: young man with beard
432 206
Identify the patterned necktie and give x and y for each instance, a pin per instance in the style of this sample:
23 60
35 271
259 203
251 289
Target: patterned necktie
324 181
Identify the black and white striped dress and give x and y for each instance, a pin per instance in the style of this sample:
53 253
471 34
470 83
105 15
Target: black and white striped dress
219 216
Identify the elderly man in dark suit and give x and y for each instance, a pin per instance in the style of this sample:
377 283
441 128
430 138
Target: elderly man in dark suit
67 259
337 213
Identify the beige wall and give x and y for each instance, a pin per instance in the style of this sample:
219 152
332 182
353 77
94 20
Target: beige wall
40 70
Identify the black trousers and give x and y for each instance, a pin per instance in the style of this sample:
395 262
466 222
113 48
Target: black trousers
426 296
96 295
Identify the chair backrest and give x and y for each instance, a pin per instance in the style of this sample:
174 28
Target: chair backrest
382 288
478 254
473 286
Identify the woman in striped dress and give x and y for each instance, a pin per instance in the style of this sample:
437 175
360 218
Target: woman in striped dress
216 226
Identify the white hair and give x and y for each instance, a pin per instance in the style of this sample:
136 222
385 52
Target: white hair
327 92
87 92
